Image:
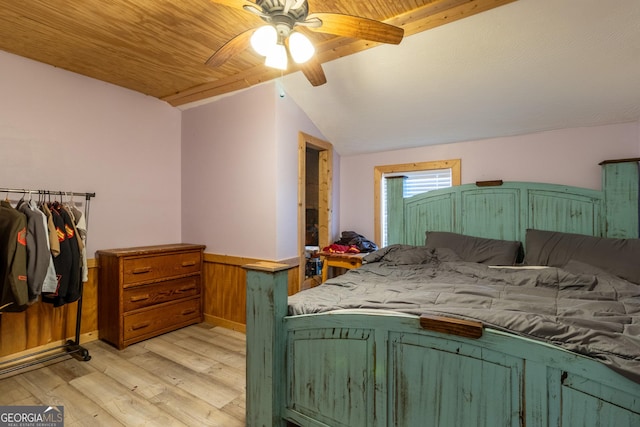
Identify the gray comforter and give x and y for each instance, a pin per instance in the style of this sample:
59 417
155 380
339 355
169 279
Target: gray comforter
579 307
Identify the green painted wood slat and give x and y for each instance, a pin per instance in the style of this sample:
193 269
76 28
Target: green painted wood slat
381 369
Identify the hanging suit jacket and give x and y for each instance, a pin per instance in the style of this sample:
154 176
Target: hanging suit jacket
14 293
73 292
38 255
62 263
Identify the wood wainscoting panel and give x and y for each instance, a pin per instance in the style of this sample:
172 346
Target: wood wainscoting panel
224 289
42 325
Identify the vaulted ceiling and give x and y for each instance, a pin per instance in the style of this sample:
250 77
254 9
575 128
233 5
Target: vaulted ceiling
525 67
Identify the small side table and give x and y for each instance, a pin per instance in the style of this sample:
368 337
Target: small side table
331 259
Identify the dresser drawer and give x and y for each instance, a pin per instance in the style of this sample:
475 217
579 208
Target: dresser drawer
145 291
166 316
156 293
137 270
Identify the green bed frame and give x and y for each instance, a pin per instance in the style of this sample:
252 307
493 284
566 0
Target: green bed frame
366 368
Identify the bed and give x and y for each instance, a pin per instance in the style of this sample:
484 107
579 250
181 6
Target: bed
466 336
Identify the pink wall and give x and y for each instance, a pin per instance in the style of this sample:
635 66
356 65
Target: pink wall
228 182
63 131
567 156
240 173
225 174
290 120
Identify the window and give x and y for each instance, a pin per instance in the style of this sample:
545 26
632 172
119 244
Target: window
420 177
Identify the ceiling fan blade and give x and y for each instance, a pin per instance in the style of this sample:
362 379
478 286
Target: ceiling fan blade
311 22
230 48
287 6
357 27
236 4
312 70
256 11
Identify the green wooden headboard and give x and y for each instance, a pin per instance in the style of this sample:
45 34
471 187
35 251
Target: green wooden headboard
506 211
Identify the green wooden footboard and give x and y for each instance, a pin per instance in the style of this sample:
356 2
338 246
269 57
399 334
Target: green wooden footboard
363 369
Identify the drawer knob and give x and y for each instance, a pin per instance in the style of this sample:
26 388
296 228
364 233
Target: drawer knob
186 289
188 263
141 270
137 298
188 311
140 326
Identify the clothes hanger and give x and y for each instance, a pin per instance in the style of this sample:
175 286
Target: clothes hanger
24 193
31 203
70 202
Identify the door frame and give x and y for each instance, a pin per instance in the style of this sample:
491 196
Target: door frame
325 193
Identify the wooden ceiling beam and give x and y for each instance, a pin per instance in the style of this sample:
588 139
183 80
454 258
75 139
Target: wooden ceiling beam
441 12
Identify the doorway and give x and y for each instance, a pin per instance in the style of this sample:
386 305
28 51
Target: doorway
315 207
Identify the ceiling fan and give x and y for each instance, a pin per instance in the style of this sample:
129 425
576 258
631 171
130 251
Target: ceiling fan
279 38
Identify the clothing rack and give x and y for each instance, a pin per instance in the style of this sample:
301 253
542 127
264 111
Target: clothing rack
70 347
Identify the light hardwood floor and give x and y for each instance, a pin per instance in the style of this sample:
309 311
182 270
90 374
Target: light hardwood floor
194 376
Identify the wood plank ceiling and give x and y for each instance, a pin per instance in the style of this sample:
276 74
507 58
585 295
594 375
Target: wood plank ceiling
159 47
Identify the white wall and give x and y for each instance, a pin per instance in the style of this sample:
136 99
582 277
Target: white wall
63 131
567 156
240 174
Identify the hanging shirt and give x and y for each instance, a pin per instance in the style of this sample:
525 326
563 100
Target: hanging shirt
14 293
50 281
50 284
54 244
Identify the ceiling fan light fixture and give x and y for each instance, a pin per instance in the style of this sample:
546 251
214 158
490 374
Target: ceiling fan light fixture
277 57
300 47
264 39
284 17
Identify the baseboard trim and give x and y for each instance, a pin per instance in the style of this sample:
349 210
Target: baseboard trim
84 338
218 321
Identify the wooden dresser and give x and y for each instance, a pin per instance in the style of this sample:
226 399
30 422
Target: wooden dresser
147 291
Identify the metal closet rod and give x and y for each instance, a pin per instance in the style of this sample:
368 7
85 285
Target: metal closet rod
71 347
47 192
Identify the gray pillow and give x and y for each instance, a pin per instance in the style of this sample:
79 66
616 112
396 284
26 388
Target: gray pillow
400 254
616 256
476 249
